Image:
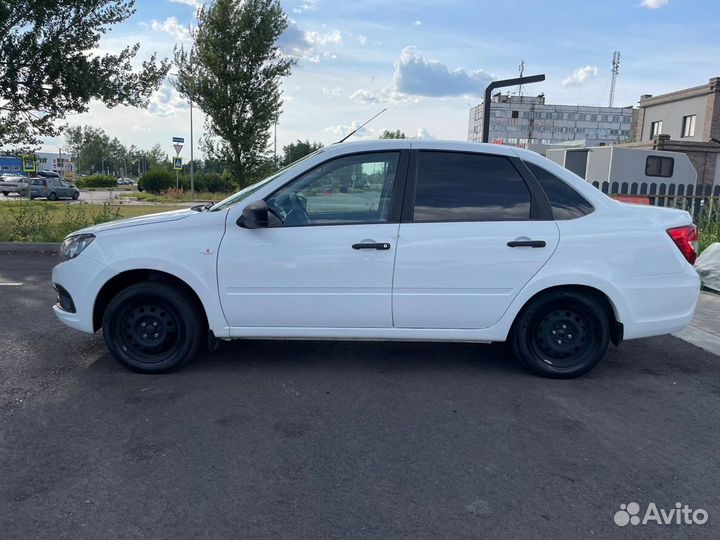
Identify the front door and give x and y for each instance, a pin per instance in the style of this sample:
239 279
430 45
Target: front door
466 249
329 263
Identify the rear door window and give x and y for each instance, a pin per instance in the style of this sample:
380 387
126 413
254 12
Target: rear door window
565 201
454 186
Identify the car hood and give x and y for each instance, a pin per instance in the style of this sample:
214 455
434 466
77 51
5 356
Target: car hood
137 221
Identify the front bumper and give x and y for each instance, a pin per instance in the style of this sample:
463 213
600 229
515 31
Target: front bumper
81 278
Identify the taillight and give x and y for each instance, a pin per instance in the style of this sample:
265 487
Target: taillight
686 239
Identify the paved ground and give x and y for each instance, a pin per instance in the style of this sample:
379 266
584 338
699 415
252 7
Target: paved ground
704 331
342 440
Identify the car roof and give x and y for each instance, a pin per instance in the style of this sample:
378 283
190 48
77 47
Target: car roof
418 144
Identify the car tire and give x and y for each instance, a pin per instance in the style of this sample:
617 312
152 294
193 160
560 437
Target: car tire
52 196
562 335
5 193
178 329
75 196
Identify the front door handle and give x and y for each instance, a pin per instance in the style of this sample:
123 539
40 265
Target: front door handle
380 246
527 243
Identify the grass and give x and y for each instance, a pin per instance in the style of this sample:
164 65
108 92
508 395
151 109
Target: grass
42 221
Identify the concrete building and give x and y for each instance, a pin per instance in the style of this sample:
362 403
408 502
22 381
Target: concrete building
685 121
10 165
692 114
44 161
56 162
525 120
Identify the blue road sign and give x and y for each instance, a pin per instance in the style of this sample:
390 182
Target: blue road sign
178 140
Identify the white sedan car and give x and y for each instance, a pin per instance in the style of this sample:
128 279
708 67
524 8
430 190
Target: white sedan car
389 240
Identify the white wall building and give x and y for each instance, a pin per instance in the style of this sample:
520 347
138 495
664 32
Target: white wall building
523 120
55 162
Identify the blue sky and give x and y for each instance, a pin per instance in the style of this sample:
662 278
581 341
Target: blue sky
429 61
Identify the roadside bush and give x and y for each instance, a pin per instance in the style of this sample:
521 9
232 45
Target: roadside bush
156 180
96 181
212 182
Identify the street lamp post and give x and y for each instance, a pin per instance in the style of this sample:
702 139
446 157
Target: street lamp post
192 159
488 98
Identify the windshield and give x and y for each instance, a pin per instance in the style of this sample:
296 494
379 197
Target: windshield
245 193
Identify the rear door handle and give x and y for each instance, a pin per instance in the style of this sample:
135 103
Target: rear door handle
527 243
380 246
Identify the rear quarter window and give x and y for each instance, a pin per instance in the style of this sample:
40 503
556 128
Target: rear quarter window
565 201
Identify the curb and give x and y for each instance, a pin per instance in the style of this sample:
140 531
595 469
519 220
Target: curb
29 247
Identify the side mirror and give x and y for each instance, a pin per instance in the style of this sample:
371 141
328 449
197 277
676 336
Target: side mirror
254 216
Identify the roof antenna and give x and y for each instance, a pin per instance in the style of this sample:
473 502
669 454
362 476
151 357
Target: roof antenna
346 137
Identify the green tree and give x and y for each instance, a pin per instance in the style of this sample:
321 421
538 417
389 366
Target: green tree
294 151
49 65
233 72
93 150
397 134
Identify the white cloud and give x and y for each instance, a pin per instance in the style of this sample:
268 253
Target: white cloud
166 101
423 133
654 4
310 46
362 39
308 5
342 130
415 77
417 23
580 76
384 95
171 26
192 3
331 92
316 39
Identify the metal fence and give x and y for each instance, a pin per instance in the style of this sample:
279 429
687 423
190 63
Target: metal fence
703 202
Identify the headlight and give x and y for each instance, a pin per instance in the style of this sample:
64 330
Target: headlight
74 245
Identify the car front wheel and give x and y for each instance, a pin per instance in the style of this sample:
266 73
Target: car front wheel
152 327
562 335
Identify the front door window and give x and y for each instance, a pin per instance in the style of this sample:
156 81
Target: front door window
350 189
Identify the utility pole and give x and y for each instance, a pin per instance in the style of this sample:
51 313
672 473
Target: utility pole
614 76
521 70
192 159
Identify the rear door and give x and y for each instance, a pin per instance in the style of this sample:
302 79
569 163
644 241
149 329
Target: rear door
475 229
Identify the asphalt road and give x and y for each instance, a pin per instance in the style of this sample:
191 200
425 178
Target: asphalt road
342 440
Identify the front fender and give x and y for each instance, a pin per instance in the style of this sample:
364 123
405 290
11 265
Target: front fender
201 278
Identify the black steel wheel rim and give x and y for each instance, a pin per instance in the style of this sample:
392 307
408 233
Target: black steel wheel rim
561 337
148 330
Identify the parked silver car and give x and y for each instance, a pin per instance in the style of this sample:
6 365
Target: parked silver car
53 189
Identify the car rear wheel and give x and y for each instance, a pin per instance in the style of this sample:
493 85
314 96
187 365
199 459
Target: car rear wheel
152 327
52 196
5 193
75 196
562 335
